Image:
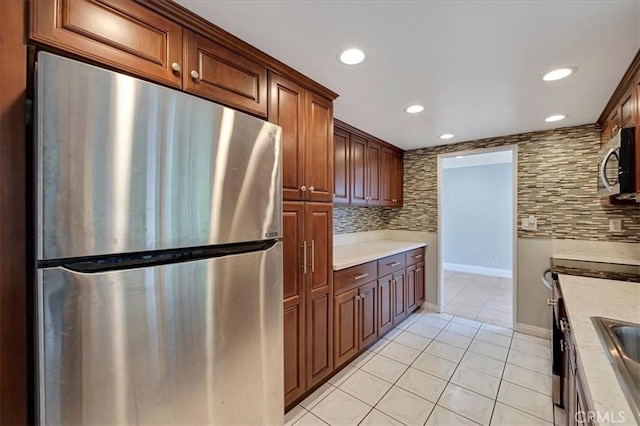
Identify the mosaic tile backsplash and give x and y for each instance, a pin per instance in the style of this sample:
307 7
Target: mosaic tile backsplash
557 177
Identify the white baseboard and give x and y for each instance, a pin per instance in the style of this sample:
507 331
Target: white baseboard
430 307
533 331
494 272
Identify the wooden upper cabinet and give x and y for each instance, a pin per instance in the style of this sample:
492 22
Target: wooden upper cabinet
121 34
319 148
213 71
287 109
387 179
358 167
341 179
398 175
374 166
628 108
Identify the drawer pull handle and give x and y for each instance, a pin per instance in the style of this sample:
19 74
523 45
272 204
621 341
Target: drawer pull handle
393 264
359 277
417 256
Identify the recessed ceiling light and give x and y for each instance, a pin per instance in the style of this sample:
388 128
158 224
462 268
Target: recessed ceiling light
352 56
558 74
414 109
459 156
446 136
553 118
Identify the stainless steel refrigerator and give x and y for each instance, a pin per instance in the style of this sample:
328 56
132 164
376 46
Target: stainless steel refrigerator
159 281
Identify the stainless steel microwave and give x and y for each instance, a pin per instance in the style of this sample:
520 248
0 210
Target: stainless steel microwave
616 168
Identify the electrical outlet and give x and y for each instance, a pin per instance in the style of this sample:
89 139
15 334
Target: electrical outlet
494 262
615 225
529 223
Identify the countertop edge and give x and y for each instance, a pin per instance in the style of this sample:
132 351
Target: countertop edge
411 245
582 337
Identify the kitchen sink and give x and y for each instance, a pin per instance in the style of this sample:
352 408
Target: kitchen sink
622 343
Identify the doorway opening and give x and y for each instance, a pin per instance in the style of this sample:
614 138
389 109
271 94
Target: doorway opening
477 234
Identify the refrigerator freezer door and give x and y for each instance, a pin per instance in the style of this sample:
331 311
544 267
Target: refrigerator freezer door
195 343
127 166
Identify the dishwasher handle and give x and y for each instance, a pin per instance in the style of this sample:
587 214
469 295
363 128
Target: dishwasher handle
545 281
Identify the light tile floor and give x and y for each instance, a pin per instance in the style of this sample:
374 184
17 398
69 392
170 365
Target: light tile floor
438 369
479 297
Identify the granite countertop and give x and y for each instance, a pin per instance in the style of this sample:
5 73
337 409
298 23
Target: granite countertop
603 259
348 255
594 297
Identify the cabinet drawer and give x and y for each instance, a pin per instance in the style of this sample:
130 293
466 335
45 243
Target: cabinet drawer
218 73
414 256
119 33
355 276
391 264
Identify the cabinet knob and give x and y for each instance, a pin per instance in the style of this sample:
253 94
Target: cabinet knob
362 296
311 188
195 74
175 66
357 297
303 188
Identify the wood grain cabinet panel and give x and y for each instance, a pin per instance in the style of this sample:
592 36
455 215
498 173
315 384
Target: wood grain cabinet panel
346 327
385 304
358 168
293 299
319 290
399 297
319 148
374 160
287 110
215 72
420 291
628 108
341 158
410 280
367 315
121 34
387 178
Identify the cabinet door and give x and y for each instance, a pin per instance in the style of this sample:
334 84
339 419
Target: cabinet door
345 306
121 34
319 148
420 292
319 291
341 180
410 278
399 297
388 167
385 304
216 72
397 176
358 168
286 109
628 108
293 295
374 154
367 324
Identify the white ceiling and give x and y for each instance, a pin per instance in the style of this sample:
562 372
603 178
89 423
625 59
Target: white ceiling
476 66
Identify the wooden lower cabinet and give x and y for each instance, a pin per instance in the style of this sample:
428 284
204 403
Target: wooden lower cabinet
355 324
308 296
385 304
414 286
420 291
399 297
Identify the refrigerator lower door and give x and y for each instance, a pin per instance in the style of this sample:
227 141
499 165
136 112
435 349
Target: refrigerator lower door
195 343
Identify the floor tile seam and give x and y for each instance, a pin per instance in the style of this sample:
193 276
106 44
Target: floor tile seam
449 382
524 386
527 353
500 383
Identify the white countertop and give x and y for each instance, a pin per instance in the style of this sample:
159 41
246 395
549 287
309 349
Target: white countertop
588 297
603 259
348 255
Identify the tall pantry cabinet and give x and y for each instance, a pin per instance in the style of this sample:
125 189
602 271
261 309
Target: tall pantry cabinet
307 178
